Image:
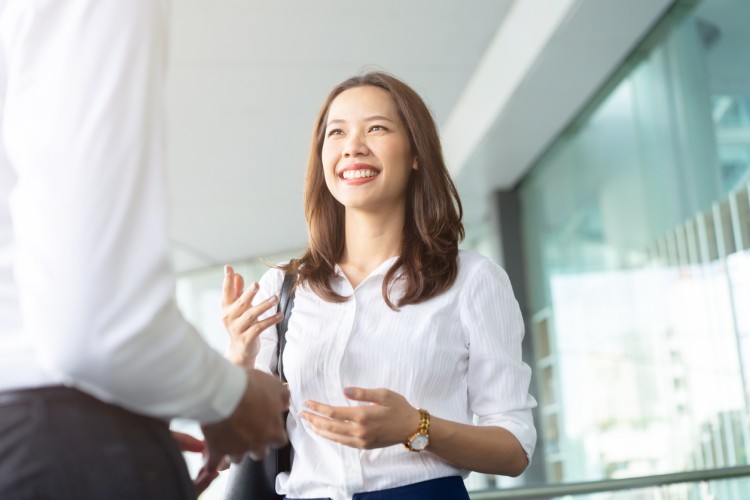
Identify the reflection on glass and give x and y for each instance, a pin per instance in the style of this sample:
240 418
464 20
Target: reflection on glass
637 225
731 116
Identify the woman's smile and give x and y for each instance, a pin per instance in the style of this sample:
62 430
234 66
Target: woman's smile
358 174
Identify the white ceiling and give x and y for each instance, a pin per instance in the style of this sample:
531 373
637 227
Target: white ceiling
247 78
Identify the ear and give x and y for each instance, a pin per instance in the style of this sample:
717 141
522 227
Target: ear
415 165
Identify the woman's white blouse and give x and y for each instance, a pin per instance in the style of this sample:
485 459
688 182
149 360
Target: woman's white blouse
457 355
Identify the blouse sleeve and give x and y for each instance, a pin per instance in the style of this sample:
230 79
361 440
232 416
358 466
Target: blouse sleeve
498 379
270 284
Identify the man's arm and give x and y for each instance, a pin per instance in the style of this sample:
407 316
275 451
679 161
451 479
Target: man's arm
84 133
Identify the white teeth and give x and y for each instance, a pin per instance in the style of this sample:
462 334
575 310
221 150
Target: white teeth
358 174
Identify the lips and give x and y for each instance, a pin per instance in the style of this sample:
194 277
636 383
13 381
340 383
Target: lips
358 173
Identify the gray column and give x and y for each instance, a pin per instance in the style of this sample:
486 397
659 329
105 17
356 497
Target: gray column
505 216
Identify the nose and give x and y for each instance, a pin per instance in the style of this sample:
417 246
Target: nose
354 146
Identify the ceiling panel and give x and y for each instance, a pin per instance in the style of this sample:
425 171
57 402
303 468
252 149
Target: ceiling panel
246 81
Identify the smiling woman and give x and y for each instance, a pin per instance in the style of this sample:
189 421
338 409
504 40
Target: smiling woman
398 341
377 122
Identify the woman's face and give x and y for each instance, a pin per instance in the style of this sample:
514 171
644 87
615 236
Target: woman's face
366 154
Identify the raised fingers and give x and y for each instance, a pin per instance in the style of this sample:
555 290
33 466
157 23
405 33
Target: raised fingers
227 287
239 285
239 305
266 323
244 300
247 322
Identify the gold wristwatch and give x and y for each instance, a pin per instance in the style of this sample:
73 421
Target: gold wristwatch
420 439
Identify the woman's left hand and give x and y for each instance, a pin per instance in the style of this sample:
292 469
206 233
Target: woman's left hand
389 419
241 318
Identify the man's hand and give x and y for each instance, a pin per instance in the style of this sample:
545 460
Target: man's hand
186 442
255 424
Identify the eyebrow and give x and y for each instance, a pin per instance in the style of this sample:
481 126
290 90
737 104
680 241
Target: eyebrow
368 119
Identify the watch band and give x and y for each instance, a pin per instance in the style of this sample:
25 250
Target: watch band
424 422
423 433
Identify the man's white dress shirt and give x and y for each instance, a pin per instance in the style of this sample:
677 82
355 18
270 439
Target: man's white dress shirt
457 355
86 291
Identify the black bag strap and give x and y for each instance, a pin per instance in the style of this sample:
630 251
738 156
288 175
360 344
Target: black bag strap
286 303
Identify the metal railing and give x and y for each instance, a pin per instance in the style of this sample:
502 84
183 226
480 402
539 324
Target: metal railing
583 488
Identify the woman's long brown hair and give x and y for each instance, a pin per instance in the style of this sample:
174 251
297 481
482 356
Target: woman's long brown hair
428 263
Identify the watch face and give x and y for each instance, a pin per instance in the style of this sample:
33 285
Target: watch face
420 442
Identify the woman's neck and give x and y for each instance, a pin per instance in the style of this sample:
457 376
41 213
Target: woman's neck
371 239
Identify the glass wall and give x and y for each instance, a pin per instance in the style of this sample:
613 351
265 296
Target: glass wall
637 229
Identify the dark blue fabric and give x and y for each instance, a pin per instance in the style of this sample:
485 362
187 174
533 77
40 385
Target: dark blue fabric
59 443
444 488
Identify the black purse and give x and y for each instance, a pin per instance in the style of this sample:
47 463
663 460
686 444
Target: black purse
256 479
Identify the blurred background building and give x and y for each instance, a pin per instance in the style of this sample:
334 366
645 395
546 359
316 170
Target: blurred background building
602 152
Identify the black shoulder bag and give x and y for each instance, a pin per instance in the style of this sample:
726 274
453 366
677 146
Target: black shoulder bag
256 480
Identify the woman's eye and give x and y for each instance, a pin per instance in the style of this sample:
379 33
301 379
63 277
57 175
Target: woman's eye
335 131
377 128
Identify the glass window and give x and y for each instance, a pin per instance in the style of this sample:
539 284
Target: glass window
637 231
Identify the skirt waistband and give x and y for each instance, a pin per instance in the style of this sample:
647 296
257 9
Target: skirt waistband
443 488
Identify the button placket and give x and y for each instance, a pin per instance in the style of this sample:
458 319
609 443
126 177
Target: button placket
353 470
338 346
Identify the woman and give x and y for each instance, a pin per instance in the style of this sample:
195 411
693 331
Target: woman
397 339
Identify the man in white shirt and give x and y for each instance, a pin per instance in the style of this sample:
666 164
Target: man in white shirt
94 356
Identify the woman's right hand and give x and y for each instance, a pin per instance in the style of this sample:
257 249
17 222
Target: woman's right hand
240 318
